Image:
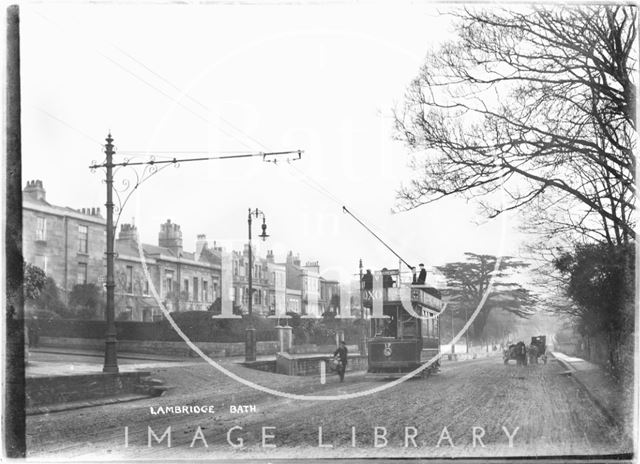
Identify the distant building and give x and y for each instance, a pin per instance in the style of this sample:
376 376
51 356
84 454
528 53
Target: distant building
68 245
293 290
259 283
329 296
303 286
184 281
310 273
277 286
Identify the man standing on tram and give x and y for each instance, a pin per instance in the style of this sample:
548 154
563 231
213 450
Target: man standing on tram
422 276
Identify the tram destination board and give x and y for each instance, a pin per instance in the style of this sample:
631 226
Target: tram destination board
302 231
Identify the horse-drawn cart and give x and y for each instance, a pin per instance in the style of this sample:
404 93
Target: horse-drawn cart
538 349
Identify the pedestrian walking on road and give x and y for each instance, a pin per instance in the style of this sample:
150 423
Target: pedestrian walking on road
533 354
521 350
33 328
341 356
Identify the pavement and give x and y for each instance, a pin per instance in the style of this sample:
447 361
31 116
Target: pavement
43 362
606 393
553 416
603 390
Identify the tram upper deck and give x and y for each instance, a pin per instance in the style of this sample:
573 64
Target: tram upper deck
395 288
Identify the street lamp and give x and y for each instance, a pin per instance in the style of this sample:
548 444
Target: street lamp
250 334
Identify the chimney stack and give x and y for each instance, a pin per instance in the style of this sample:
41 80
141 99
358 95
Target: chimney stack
128 233
35 190
170 236
201 244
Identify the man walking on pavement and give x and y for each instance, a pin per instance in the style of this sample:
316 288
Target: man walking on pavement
341 355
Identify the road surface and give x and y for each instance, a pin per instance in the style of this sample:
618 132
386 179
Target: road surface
471 409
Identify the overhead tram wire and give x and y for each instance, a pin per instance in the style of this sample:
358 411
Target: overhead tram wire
197 102
319 187
70 126
203 158
146 82
323 190
344 208
181 103
170 97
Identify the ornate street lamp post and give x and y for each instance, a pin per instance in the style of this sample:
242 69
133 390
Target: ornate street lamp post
250 334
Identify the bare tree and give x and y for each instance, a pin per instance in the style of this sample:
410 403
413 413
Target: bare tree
532 107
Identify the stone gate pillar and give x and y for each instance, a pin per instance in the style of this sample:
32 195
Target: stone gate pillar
285 338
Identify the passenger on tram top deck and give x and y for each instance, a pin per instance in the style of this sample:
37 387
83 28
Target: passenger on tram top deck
387 280
422 277
367 280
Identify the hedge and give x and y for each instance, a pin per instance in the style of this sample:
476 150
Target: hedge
198 328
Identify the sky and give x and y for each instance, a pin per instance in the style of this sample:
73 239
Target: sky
184 80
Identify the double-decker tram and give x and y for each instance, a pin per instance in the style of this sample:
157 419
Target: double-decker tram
404 332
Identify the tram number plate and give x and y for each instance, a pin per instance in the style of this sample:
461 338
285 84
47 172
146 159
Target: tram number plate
387 350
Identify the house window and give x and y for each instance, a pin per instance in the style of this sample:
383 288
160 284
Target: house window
205 290
82 273
41 228
186 289
83 239
146 287
195 289
129 281
168 278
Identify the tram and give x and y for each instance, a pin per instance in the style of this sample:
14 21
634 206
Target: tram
399 342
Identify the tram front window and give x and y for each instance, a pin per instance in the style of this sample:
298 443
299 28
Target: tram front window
409 326
387 327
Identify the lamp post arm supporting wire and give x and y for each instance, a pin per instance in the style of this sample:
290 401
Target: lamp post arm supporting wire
204 158
345 210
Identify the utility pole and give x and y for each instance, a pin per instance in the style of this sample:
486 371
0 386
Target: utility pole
363 338
14 422
466 332
150 168
250 268
110 353
453 347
